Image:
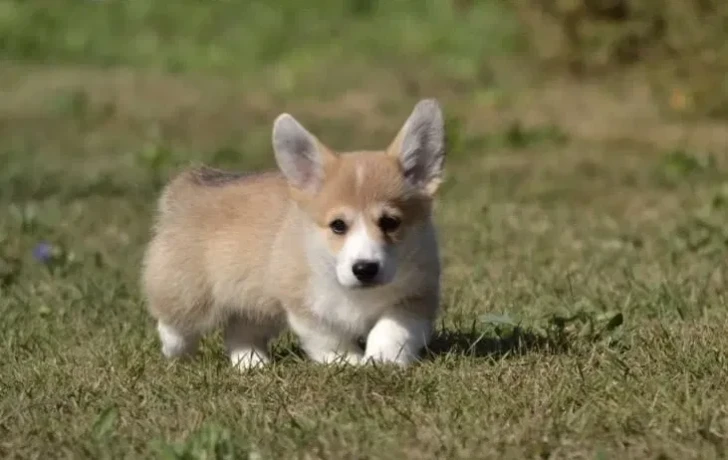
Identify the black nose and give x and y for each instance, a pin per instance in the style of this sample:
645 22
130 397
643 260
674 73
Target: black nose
365 271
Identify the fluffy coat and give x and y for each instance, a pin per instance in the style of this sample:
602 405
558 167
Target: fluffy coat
336 246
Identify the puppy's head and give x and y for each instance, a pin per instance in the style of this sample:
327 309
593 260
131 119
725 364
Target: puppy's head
367 206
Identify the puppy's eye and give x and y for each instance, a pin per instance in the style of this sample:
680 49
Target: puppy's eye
338 226
389 223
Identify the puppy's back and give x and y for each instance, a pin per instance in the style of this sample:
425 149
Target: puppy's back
211 244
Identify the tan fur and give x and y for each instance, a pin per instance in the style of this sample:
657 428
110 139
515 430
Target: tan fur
207 237
229 246
380 189
211 234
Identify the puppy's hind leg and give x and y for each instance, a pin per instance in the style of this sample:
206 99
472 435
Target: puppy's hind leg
247 342
176 343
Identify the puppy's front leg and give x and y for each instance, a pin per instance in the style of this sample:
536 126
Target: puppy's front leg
322 344
398 338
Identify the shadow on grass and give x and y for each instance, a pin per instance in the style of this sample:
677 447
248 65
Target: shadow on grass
469 344
480 344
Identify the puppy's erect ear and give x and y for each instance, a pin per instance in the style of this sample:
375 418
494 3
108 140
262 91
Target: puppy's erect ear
299 154
420 146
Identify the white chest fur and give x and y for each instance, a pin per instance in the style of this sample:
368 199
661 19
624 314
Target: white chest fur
351 312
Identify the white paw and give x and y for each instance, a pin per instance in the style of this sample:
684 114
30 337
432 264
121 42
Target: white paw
397 340
245 359
175 344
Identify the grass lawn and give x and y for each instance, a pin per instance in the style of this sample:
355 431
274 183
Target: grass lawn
584 238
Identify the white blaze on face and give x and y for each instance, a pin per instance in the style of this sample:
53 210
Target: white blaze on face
361 247
359 176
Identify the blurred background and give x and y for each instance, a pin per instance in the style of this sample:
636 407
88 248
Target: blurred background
203 75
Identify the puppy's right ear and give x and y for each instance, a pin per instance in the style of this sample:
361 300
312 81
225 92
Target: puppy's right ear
299 154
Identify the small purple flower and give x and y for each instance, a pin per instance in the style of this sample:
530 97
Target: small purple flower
43 252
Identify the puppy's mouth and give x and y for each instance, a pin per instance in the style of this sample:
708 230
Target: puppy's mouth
365 285
370 285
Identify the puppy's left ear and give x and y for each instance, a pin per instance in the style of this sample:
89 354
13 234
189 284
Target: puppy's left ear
300 155
420 146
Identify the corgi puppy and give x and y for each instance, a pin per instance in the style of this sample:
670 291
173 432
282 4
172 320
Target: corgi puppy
336 246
